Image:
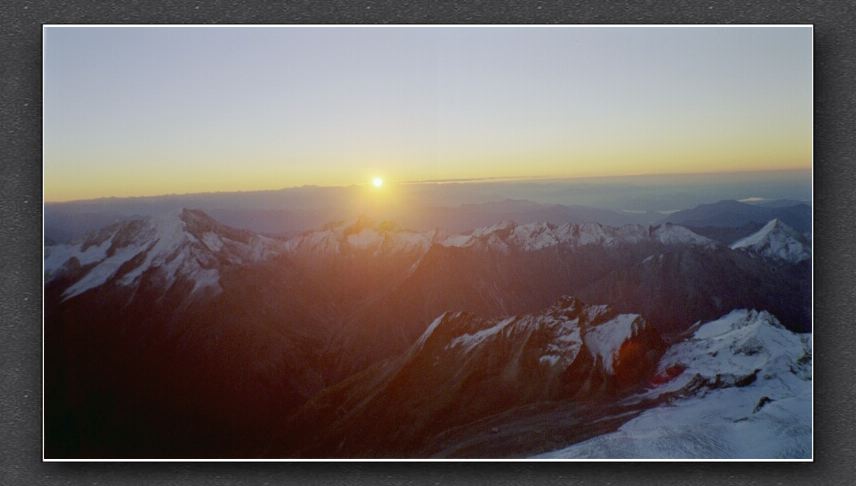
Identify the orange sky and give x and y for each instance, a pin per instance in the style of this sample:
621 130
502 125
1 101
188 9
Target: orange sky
132 111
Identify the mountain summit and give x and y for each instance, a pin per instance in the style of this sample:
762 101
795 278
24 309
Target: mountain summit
183 245
776 240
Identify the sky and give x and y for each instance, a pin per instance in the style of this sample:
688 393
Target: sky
133 111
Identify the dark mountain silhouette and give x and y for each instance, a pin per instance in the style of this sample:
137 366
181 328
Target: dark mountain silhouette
464 368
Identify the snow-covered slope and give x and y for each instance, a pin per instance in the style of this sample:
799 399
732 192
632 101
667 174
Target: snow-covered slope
778 241
536 236
184 244
361 236
740 387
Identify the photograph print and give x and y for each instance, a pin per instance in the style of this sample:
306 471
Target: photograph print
428 242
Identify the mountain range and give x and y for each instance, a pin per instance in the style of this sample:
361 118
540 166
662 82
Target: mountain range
224 342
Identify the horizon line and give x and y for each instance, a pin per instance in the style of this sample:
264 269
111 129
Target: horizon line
464 180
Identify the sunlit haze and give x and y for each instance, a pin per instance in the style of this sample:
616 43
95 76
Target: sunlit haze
147 111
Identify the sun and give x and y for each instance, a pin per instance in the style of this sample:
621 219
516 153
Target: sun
377 182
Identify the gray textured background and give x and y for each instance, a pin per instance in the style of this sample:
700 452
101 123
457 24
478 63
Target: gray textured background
20 236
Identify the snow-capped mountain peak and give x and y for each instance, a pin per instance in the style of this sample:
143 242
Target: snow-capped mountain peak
776 240
361 236
183 244
669 233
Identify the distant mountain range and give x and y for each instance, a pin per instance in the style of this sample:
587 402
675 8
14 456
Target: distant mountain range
223 342
734 214
726 221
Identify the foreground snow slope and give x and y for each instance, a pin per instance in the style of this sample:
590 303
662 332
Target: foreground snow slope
744 392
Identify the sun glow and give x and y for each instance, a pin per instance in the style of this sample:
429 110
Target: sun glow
377 182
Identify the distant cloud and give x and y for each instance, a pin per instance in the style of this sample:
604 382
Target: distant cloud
753 199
